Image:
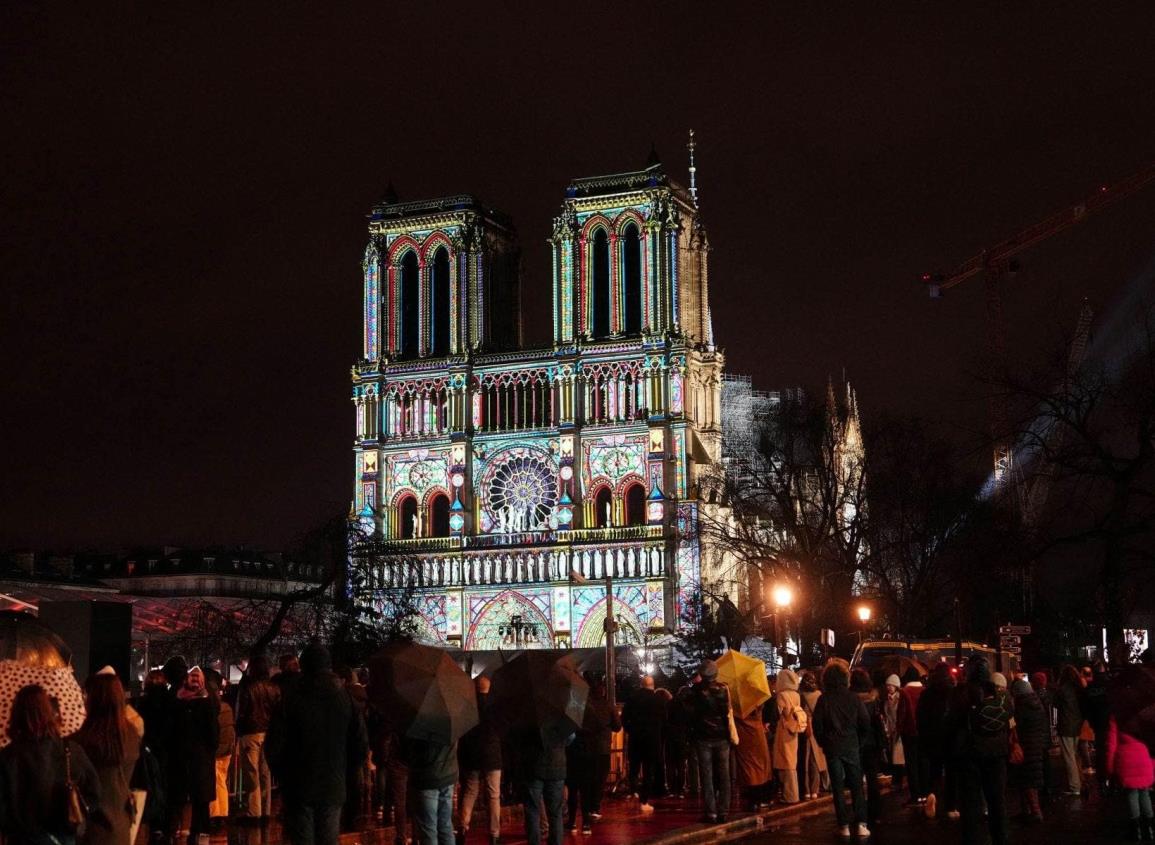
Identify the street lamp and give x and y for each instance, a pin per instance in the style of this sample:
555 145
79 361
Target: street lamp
863 618
783 596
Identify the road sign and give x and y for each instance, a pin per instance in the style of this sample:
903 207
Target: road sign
1014 649
1015 630
1011 640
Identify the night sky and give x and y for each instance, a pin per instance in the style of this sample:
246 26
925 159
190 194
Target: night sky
184 191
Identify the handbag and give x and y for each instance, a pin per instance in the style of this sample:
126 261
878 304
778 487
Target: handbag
730 719
1016 755
77 807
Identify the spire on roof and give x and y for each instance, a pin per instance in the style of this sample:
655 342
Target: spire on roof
390 196
693 145
653 158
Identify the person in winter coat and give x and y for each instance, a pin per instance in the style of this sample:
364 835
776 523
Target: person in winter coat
588 759
314 738
1069 724
710 731
981 716
1032 730
35 768
752 757
479 759
544 770
907 724
432 774
840 724
1097 713
112 744
643 717
812 761
873 743
932 716
257 699
892 707
792 721
192 755
1129 762
226 743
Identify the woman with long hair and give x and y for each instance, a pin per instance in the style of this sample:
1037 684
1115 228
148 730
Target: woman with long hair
35 771
112 743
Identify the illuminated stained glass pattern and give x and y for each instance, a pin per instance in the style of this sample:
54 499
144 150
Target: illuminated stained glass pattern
613 457
372 301
519 486
493 613
419 471
631 609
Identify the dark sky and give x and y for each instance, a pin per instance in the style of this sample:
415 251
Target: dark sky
184 190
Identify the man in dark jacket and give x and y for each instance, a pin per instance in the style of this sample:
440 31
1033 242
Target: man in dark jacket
931 714
840 724
1069 710
644 717
315 737
544 767
981 717
257 699
710 732
479 756
588 757
432 773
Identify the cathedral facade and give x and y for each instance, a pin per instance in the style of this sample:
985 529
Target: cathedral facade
511 484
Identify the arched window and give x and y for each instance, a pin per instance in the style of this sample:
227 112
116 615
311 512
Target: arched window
603 504
410 311
439 516
407 516
631 279
636 505
600 283
439 302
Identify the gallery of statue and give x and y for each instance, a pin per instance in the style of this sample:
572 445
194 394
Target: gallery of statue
513 481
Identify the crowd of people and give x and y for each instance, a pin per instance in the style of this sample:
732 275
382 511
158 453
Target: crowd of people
190 752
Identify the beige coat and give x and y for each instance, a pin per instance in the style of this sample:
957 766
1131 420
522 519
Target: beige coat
809 702
785 752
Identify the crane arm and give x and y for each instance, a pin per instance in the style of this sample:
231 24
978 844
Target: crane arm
1105 196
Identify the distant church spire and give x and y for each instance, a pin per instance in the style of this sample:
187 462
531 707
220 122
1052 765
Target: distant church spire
693 145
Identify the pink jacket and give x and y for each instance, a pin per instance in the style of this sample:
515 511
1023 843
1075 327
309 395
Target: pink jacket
1129 760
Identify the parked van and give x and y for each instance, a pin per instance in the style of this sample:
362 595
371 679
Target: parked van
871 653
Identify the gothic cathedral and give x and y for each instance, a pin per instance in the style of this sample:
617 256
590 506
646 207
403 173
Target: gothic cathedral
508 482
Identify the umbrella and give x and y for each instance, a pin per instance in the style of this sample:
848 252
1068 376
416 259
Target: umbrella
540 690
1133 703
746 678
898 664
423 693
26 639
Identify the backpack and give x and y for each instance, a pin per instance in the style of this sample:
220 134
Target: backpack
800 719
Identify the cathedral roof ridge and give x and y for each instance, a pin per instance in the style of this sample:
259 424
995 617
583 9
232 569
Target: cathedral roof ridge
652 175
453 202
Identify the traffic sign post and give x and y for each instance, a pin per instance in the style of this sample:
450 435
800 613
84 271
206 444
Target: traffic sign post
1015 630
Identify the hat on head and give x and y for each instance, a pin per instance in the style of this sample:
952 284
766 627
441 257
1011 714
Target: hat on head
999 680
893 681
708 670
107 670
1021 687
1039 679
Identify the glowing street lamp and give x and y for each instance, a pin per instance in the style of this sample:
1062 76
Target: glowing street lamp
783 596
863 619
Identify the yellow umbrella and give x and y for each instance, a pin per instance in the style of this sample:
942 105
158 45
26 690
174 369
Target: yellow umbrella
746 678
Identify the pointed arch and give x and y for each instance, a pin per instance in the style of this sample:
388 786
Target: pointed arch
630 261
600 283
634 504
409 304
603 507
406 516
437 514
439 301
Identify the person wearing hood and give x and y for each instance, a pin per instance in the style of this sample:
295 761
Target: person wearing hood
792 721
872 746
752 756
840 724
193 756
892 708
981 717
314 739
908 734
812 767
1032 730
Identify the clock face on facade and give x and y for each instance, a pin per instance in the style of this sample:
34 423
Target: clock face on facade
420 475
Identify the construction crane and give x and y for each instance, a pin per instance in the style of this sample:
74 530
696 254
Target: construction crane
997 263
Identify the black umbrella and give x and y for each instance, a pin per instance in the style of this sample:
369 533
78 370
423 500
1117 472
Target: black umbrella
422 692
542 691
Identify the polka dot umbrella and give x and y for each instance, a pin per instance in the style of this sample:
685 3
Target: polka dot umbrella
31 653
